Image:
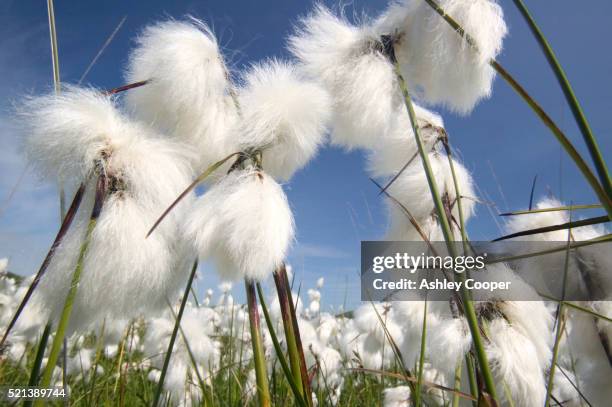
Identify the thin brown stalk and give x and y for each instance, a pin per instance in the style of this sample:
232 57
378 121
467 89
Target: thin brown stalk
66 223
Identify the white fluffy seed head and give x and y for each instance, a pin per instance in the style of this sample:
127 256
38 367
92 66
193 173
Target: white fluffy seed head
515 362
411 189
65 134
244 223
284 114
436 62
397 397
396 147
587 268
145 176
188 96
349 63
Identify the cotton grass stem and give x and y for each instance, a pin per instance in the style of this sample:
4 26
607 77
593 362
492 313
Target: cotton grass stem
574 104
190 188
177 323
567 225
297 391
66 222
468 305
457 386
298 338
40 353
64 320
458 197
560 322
259 357
419 384
555 209
472 381
295 354
56 84
604 197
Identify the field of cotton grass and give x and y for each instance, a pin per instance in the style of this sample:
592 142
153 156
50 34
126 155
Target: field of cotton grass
112 316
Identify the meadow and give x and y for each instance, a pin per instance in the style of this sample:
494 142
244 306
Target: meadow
112 316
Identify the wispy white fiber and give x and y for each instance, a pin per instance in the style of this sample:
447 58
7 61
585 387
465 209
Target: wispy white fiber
78 134
243 223
397 397
188 96
65 134
440 66
411 189
349 63
284 114
394 148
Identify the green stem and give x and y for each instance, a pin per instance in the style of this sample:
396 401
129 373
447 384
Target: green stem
419 385
604 198
177 323
292 348
66 223
551 372
40 353
298 338
297 391
458 197
583 124
457 385
56 84
62 326
560 321
468 306
473 382
261 375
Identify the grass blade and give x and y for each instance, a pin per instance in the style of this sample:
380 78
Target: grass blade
190 188
578 308
177 323
284 280
560 322
66 223
457 386
556 209
419 384
583 124
67 310
575 245
468 306
123 88
604 197
567 225
279 351
40 353
290 336
101 51
261 374
410 379
396 176
532 193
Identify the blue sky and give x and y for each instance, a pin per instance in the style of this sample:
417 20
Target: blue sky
335 205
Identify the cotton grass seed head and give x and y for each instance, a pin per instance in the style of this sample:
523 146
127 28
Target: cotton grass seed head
188 96
283 114
396 147
144 174
437 63
244 224
348 61
66 135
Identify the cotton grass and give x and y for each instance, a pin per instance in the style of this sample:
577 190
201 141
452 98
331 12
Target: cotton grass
75 136
244 224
